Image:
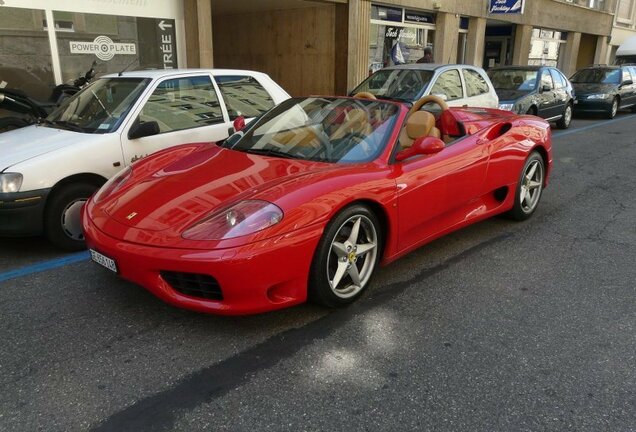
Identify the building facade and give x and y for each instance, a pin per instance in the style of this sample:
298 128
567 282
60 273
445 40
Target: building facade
308 46
624 25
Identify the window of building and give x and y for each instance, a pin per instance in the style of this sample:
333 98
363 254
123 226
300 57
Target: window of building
475 83
624 11
448 84
183 103
244 95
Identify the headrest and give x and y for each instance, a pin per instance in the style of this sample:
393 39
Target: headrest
420 124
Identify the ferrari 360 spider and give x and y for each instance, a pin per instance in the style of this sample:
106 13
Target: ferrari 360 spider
307 200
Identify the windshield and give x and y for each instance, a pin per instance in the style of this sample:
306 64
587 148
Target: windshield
597 76
336 130
402 84
513 79
100 107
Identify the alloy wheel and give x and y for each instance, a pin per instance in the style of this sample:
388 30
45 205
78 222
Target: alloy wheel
531 186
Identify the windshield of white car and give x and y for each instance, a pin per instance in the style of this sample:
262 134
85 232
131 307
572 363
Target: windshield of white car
401 84
597 76
335 130
513 79
99 108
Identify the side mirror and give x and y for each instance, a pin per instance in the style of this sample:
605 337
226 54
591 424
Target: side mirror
239 123
545 88
422 146
140 130
627 82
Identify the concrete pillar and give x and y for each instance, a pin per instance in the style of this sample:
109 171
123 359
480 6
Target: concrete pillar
601 54
446 32
198 29
570 54
523 40
476 41
358 42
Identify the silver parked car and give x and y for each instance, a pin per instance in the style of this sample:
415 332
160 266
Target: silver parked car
458 85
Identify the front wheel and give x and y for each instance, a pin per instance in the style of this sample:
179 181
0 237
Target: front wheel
566 118
62 217
611 113
346 257
529 188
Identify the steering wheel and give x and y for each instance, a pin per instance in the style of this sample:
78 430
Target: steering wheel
428 99
365 95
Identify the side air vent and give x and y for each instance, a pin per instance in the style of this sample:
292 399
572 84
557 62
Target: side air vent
194 284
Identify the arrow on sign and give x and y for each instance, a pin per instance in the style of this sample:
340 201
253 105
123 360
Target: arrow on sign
163 25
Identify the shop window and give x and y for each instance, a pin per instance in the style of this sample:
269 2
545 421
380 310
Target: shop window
244 95
475 84
183 103
448 84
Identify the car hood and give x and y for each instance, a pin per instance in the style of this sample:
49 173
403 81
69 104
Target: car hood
510 95
172 197
28 142
581 89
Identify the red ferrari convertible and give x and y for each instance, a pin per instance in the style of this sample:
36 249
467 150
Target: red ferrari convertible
307 200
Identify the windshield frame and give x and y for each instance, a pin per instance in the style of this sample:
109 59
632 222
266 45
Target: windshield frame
61 116
401 74
381 136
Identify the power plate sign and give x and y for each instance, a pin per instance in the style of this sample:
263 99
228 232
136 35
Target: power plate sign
103 47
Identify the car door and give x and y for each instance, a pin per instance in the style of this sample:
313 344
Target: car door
626 90
478 92
547 107
434 192
560 92
186 109
448 85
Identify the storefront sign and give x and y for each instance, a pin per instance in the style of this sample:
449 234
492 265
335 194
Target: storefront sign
505 6
103 47
419 17
166 44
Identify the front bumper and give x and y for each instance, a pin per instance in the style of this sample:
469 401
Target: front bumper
592 105
258 277
22 213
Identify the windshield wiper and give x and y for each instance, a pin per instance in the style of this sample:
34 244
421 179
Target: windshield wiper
64 124
270 152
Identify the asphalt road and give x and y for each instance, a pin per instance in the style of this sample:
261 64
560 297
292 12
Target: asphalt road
502 326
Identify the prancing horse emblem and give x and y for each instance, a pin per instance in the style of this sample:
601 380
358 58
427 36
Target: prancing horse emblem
132 215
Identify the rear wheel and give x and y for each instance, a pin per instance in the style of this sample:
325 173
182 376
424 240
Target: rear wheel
62 221
566 119
529 188
611 113
346 257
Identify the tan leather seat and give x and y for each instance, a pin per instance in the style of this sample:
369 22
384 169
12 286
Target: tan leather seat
419 124
356 122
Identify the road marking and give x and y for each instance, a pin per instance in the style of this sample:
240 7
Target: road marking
44 266
592 126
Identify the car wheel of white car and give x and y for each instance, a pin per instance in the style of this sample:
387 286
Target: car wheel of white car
62 217
346 257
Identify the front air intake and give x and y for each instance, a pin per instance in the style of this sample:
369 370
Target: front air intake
193 284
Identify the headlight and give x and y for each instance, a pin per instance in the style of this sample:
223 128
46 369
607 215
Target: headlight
243 218
10 182
506 107
113 184
598 96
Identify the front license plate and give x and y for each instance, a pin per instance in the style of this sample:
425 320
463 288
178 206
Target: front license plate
103 260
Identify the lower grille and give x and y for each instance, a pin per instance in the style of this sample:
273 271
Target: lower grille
194 284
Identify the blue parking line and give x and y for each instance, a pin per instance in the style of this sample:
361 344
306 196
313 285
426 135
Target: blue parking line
592 126
44 266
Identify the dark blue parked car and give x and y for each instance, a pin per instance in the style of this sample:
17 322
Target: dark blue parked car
538 90
604 89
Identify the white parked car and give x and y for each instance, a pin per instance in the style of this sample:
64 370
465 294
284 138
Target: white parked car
457 84
47 171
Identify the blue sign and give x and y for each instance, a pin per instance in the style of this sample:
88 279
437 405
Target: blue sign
505 6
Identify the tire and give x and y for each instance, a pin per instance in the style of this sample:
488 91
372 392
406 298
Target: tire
62 224
566 118
10 123
527 199
611 113
338 253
